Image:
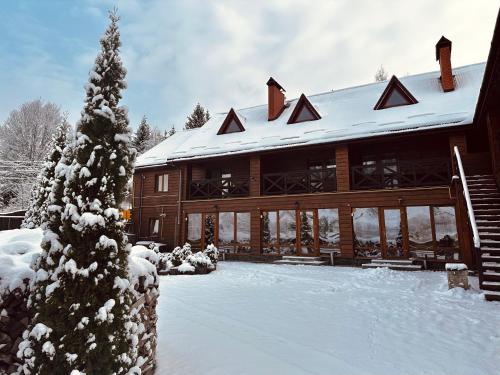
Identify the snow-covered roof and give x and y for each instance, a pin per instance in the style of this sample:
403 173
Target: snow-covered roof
346 114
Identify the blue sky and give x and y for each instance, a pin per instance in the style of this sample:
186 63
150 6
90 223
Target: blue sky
221 53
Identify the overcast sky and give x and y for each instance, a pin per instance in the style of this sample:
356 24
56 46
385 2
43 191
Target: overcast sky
221 53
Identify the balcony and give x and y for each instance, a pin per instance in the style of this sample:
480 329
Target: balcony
300 182
217 188
401 174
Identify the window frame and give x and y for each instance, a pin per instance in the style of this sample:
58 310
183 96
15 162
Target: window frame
160 181
152 224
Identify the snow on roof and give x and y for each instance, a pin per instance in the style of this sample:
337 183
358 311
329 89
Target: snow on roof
346 114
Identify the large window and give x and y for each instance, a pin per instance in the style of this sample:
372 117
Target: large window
366 232
432 232
209 229
393 233
161 183
234 232
288 232
194 230
269 227
307 237
328 228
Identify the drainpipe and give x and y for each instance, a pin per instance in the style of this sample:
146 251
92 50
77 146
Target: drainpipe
140 205
176 240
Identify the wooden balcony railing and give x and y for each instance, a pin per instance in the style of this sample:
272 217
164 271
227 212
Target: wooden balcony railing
407 173
217 188
299 182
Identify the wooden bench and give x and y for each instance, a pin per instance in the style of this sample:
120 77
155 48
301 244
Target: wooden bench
332 252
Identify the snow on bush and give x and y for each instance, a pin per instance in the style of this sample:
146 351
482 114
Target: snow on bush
185 268
185 261
18 249
149 254
179 254
213 253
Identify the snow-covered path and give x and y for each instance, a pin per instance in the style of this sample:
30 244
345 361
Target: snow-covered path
264 319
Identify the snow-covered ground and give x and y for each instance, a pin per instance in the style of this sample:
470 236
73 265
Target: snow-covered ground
273 319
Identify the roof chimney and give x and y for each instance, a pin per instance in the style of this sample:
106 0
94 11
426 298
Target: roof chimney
443 55
276 99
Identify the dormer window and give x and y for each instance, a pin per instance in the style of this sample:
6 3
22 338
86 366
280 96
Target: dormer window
231 124
395 95
303 111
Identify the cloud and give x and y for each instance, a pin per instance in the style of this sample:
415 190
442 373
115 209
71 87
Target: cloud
221 53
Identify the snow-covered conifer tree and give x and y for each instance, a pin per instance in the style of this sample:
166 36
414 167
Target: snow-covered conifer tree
37 211
83 320
142 136
198 118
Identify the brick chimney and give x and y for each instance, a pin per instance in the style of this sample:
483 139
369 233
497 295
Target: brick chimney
276 99
443 55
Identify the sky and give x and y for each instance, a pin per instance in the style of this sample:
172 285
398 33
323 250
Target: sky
221 53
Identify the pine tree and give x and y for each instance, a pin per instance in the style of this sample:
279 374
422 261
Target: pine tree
198 118
172 131
83 319
381 74
37 211
142 136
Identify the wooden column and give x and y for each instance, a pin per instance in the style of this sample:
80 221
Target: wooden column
457 139
342 160
255 175
255 230
346 237
493 124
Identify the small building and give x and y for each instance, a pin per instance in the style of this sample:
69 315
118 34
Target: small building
364 171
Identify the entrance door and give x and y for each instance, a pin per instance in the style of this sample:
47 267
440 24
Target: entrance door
306 232
393 243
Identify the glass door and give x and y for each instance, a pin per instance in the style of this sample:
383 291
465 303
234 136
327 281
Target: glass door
393 243
307 232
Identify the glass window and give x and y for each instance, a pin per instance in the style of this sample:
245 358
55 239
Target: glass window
209 238
243 232
445 224
162 182
288 232
269 232
154 227
305 115
232 127
226 230
420 231
366 232
393 232
307 232
194 230
328 227
395 98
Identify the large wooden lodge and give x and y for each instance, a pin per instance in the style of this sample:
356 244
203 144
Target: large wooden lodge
365 172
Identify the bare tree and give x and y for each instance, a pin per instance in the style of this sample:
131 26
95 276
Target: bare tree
26 134
381 74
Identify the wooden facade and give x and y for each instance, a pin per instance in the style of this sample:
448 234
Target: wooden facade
388 195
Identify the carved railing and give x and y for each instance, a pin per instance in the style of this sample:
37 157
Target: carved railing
400 174
217 188
299 182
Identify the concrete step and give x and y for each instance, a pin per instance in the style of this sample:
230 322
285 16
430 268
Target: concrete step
395 267
294 257
303 262
396 262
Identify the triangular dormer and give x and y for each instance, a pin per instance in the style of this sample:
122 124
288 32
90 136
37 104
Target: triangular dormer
231 124
395 95
303 111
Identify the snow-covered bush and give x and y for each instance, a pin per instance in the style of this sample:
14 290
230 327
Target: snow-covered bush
179 254
143 252
201 262
213 253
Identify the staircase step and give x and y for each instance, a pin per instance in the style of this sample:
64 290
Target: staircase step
491 266
491 295
489 235
488 223
487 257
487 245
491 275
480 212
295 258
395 267
303 262
491 285
396 262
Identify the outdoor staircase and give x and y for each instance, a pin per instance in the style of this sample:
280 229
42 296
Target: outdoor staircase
397 265
485 199
308 261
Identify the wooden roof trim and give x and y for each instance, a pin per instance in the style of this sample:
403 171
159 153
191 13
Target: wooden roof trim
303 101
230 117
395 84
